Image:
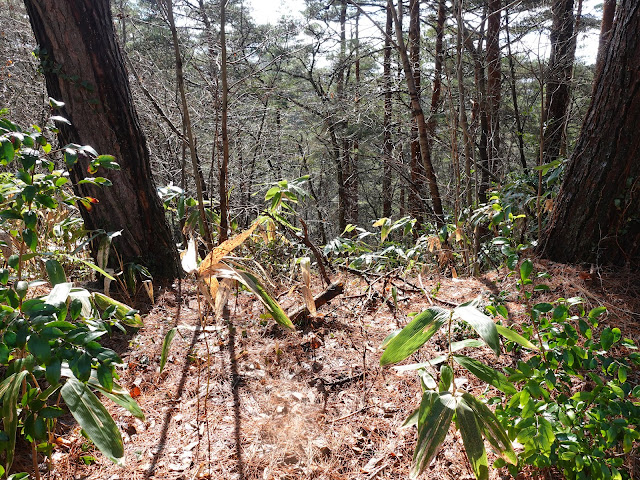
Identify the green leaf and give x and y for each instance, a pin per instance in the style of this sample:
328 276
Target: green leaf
30 239
39 347
122 311
250 281
515 337
55 272
166 345
59 294
472 440
526 267
94 419
482 324
7 153
414 335
492 429
446 378
10 391
105 376
486 374
435 415
455 346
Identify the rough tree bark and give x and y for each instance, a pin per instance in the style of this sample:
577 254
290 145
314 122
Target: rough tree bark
84 68
596 215
563 51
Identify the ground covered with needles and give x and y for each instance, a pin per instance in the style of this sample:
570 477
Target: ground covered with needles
254 401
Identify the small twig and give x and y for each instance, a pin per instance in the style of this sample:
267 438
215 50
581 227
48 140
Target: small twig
351 414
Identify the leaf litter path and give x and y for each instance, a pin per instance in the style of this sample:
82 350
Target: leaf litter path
257 402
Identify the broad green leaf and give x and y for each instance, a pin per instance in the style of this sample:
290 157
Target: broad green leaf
94 419
486 374
117 394
455 346
545 437
10 391
515 337
492 429
414 335
526 267
55 272
7 152
105 376
482 324
166 345
253 284
472 440
435 415
39 347
59 294
103 302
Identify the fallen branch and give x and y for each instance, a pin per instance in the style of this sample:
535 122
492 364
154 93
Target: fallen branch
329 294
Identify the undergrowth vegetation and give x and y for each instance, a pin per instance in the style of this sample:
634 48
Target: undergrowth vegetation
556 392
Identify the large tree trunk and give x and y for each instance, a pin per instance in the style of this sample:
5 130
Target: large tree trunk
596 216
84 68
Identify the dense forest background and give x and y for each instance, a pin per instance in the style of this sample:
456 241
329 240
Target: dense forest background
449 181
325 95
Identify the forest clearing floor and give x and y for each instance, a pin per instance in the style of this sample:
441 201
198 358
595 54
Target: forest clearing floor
258 402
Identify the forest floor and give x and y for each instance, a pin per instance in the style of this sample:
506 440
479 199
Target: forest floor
258 402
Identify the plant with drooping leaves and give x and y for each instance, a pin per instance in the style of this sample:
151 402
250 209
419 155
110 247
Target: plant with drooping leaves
216 273
443 399
49 344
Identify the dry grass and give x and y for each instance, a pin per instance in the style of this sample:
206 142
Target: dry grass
310 404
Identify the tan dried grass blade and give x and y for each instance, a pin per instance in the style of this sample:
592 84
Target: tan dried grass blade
222 250
305 268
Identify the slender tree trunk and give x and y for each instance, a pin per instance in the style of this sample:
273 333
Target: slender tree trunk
464 124
418 114
595 216
84 68
494 81
608 14
558 86
416 165
224 166
388 112
167 6
514 96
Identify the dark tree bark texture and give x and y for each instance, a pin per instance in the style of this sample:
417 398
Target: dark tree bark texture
597 213
84 68
563 50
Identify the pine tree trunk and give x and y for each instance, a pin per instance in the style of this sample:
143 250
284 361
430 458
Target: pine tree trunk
558 94
596 215
84 68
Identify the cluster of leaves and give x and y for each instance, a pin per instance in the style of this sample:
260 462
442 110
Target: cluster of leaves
391 247
50 353
575 409
566 404
443 399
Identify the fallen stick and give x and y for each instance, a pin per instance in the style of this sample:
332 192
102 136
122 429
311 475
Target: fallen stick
329 294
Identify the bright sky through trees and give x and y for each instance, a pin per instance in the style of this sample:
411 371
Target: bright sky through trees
270 11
